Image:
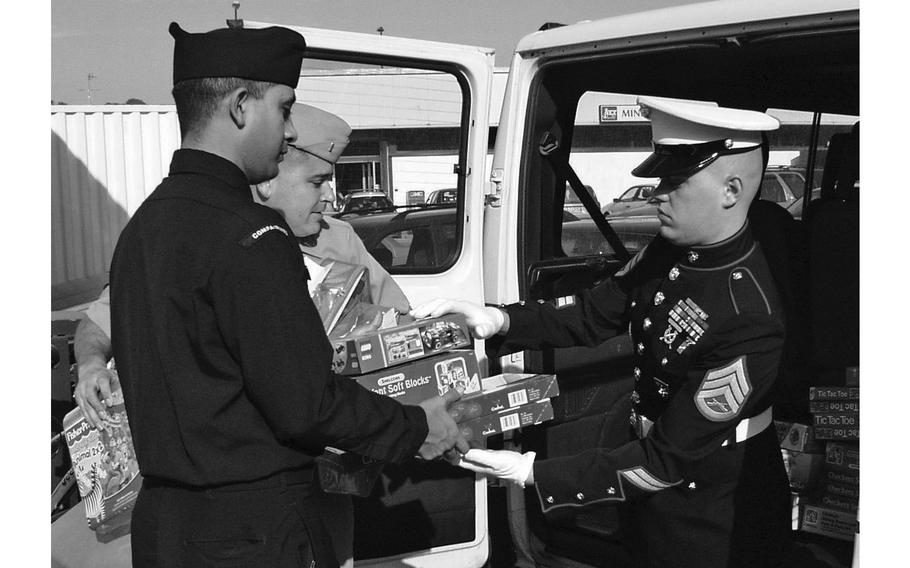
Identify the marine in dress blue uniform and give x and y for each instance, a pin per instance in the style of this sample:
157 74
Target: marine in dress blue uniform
703 481
223 359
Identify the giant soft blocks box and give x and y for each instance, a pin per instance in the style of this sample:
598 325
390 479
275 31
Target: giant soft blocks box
476 429
105 466
503 392
412 383
400 344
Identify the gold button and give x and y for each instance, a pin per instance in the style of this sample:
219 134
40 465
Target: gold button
737 275
674 273
640 348
637 372
634 303
550 499
611 491
658 298
693 256
692 486
580 496
646 325
635 397
540 301
521 302
663 362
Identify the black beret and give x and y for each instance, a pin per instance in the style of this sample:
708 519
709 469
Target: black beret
269 54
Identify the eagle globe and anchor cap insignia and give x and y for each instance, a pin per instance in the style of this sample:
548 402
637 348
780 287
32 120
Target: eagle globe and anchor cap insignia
724 391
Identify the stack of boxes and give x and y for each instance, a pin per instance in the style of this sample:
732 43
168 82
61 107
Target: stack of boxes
414 361
823 462
425 358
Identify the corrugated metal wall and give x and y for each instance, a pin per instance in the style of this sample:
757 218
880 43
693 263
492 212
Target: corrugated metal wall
104 162
106 159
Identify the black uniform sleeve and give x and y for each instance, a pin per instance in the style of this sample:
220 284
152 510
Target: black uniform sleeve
588 318
265 312
729 381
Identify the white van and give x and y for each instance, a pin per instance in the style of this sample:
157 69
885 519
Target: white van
570 100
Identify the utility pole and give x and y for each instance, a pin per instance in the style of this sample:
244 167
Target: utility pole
90 90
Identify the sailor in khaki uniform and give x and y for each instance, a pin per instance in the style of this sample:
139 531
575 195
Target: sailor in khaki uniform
704 480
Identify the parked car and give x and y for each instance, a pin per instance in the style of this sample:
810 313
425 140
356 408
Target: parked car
573 204
582 237
796 207
365 200
443 196
782 185
408 239
632 198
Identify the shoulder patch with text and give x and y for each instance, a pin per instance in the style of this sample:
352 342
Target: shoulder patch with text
251 239
724 391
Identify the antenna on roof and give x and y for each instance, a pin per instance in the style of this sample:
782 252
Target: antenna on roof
235 23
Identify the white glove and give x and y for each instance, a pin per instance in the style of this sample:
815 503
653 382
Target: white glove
504 464
484 321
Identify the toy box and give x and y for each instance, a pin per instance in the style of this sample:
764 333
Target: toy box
399 344
334 285
503 392
828 522
842 454
476 429
797 437
803 469
105 467
412 383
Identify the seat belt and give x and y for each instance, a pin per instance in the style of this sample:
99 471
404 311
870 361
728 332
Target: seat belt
548 147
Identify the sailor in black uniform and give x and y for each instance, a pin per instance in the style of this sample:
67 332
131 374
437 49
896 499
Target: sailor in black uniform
223 359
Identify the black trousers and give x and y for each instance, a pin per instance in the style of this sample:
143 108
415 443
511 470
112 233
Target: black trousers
273 522
737 515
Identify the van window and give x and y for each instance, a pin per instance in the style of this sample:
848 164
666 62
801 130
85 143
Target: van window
408 139
611 137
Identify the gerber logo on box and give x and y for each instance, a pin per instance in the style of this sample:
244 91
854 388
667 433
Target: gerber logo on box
407 342
412 383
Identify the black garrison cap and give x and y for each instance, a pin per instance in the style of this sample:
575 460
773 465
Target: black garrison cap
269 54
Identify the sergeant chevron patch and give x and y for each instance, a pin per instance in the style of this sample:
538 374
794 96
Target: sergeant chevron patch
644 480
724 391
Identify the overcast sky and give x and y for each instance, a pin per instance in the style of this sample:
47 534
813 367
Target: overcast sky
126 46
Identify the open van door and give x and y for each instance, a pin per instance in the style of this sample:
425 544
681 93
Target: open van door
570 115
420 115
